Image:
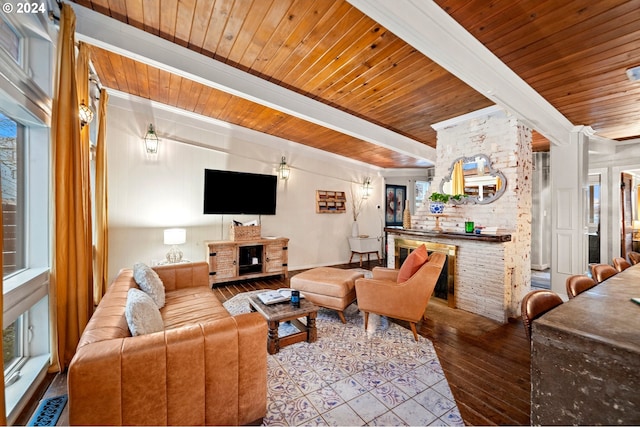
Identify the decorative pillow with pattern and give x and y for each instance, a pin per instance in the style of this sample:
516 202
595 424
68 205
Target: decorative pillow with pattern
414 261
149 282
142 313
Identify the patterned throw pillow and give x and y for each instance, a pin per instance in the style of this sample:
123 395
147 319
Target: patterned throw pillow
142 313
149 282
414 261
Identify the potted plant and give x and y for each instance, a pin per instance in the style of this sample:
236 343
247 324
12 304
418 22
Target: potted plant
436 206
438 200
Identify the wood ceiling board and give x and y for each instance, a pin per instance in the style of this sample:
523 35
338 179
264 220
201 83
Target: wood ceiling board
570 52
191 96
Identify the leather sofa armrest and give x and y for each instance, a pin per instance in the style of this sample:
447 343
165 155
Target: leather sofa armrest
383 273
206 373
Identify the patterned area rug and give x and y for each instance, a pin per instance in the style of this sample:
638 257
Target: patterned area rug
354 377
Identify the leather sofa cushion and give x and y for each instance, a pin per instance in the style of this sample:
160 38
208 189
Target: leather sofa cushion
414 261
190 306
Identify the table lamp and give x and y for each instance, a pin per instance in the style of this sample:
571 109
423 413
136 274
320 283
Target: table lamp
174 236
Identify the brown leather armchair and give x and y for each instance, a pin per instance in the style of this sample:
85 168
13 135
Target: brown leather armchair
405 301
579 283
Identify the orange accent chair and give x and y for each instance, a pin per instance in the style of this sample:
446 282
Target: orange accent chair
535 304
602 272
406 300
579 283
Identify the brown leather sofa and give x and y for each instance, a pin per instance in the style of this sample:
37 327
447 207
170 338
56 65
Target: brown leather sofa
206 368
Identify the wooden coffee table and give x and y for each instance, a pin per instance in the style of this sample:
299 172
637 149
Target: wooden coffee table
285 312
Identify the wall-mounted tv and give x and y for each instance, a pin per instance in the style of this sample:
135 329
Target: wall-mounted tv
229 192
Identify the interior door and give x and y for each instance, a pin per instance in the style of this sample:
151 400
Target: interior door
626 226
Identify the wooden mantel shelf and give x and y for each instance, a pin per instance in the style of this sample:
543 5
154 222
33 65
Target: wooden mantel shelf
449 234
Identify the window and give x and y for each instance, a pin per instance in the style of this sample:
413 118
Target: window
11 179
10 40
26 55
593 203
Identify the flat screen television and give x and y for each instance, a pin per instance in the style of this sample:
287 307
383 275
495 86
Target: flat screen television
229 192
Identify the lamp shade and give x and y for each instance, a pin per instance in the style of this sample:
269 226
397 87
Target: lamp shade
175 236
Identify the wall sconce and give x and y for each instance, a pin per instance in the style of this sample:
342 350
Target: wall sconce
85 113
284 169
366 188
151 141
174 236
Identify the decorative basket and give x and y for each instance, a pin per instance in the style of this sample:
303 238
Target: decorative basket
244 232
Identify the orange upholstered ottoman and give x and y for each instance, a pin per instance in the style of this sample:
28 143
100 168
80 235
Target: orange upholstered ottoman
328 287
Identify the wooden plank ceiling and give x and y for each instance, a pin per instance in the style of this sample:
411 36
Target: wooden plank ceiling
573 53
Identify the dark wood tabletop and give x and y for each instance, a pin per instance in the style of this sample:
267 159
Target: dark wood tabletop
283 310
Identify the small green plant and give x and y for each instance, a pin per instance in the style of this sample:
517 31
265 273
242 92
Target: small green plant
439 197
444 198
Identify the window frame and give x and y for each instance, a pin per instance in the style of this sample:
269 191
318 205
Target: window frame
26 90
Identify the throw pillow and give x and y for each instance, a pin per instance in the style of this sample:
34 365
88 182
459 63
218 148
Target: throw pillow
414 261
142 313
149 282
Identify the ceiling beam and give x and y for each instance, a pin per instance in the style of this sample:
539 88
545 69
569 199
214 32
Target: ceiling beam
110 34
429 29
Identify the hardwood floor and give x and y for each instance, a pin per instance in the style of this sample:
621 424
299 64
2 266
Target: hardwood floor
486 364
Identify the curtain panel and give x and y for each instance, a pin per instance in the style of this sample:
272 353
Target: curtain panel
71 271
101 260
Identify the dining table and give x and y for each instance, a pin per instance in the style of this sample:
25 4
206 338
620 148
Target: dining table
585 357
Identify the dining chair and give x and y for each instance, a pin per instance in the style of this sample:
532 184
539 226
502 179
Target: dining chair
535 304
634 257
621 264
579 283
602 272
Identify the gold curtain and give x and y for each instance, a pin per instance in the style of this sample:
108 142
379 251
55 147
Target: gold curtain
457 179
71 271
82 83
101 264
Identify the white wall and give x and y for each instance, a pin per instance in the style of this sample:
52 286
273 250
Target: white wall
148 194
